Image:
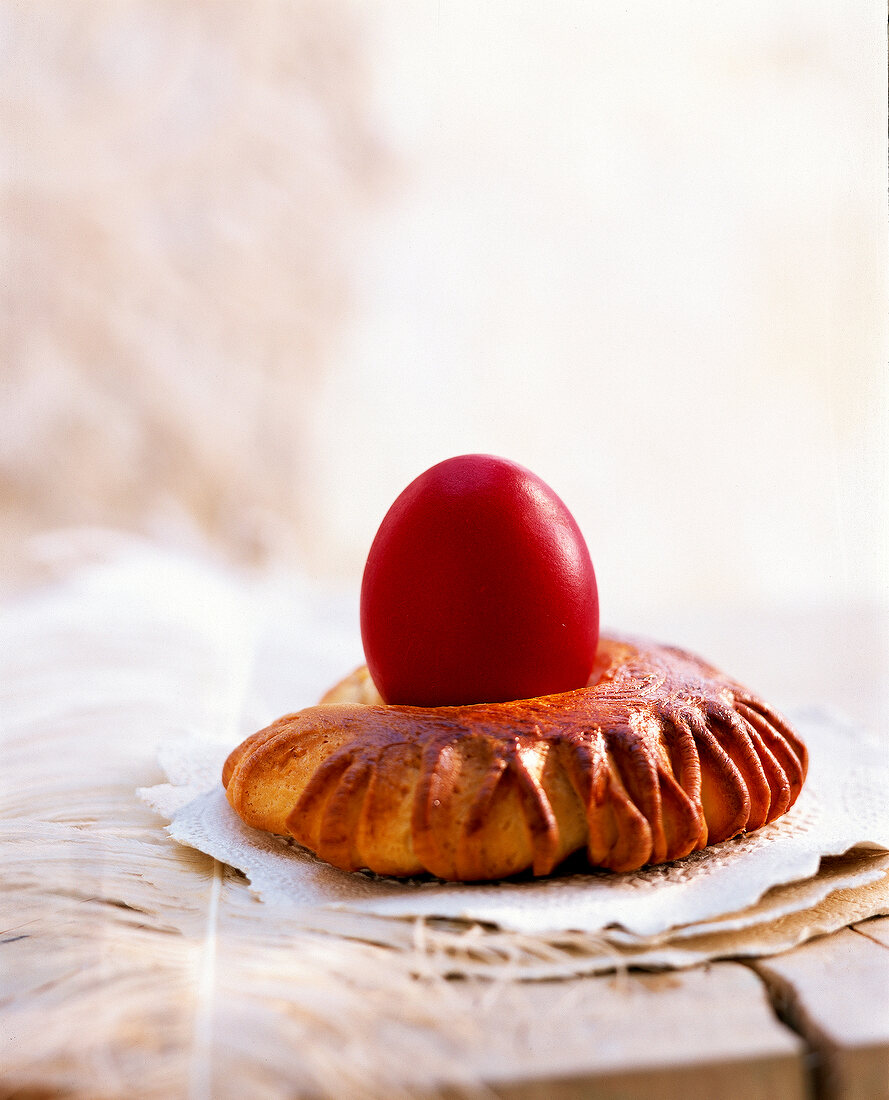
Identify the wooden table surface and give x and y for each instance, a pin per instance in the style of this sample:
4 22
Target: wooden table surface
123 960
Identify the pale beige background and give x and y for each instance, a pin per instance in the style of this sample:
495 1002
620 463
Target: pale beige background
264 263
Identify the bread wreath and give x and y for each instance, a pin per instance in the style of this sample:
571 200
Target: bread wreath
660 755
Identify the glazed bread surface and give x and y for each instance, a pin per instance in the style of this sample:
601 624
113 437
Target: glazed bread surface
658 756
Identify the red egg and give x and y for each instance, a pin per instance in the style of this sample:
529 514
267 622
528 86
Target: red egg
478 589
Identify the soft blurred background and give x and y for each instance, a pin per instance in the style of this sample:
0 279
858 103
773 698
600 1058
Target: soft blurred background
264 263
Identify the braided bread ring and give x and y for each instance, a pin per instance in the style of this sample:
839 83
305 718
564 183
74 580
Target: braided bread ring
658 756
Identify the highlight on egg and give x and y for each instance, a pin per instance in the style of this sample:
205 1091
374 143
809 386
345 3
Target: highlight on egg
478 588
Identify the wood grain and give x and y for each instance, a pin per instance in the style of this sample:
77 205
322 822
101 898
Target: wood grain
876 929
835 992
703 1032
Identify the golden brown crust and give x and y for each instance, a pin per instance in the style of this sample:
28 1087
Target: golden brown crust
660 755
